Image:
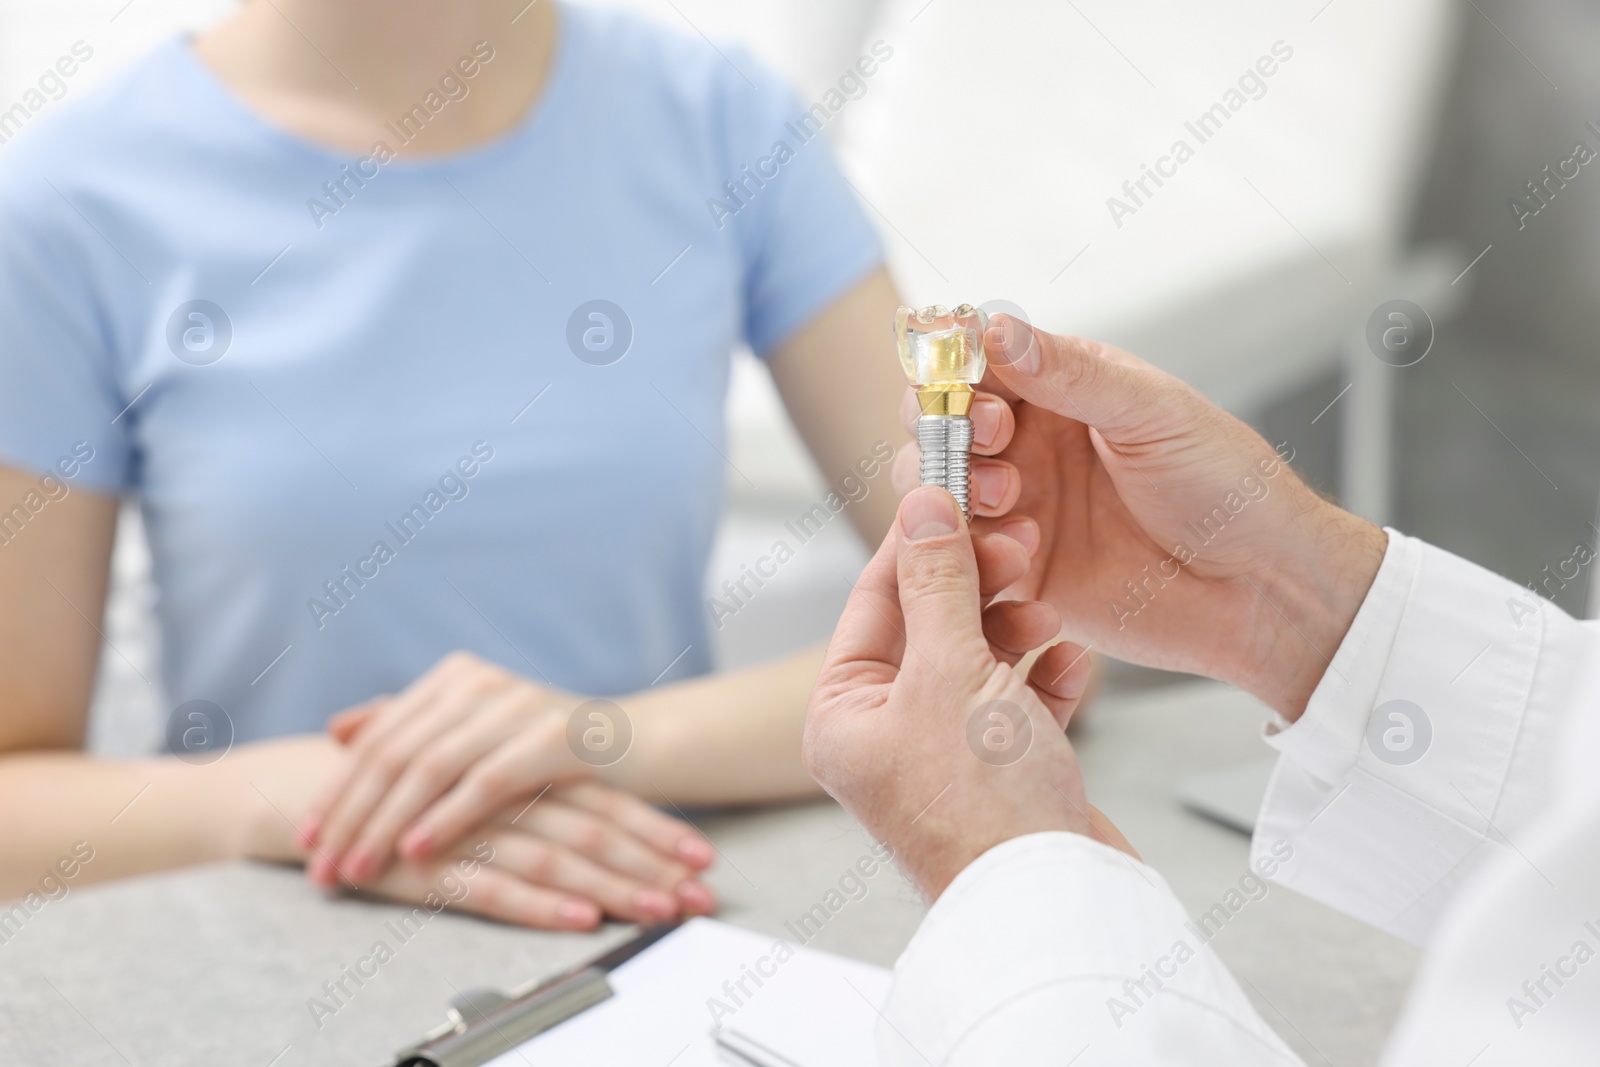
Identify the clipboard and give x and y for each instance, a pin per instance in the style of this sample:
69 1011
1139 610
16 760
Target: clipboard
482 1024
698 993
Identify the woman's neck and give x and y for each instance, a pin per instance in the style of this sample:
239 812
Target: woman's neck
341 72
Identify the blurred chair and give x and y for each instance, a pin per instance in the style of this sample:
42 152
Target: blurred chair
992 145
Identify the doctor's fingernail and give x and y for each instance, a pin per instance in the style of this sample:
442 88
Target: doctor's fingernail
928 512
1010 343
985 418
992 483
1073 686
1025 349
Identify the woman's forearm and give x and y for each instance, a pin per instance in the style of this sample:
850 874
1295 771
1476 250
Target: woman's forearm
728 738
135 816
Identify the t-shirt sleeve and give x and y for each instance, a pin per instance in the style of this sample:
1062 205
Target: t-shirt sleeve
803 237
62 406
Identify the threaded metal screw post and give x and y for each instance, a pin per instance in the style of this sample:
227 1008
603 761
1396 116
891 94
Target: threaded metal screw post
946 442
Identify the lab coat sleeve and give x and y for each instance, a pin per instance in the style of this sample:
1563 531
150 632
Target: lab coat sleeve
1433 732
1054 949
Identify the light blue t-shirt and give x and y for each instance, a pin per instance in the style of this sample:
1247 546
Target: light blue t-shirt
376 410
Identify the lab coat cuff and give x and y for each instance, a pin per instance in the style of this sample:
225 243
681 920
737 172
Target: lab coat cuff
1386 785
1064 940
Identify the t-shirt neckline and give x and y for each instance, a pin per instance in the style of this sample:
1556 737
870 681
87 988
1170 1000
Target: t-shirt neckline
534 118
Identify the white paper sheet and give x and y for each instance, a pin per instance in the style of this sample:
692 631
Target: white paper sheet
817 1009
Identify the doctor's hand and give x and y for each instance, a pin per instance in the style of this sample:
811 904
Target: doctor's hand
919 725
1172 534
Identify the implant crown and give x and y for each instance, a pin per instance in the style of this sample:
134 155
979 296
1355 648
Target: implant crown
939 347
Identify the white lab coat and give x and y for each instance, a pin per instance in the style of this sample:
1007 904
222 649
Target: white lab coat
1473 827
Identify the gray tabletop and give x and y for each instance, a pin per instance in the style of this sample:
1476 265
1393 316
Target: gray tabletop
218 965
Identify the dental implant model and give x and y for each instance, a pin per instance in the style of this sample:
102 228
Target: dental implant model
941 352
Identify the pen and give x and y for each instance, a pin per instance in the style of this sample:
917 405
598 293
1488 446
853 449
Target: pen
749 1050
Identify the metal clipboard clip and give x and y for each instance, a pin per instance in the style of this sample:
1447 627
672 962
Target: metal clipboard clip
484 1023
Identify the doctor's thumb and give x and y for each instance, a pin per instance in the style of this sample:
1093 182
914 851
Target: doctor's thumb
938 575
1075 377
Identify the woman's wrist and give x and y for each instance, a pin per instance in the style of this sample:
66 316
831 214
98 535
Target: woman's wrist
1312 596
728 738
271 784
653 735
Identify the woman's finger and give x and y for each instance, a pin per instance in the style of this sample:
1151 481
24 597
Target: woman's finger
366 782
552 865
519 768
414 700
345 725
381 765
361 744
429 775
669 836
379 727
1061 676
603 841
1016 627
503 895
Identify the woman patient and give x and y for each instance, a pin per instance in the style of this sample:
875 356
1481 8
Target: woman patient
409 326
